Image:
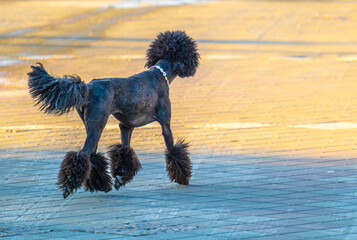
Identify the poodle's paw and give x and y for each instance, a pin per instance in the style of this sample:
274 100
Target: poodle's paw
178 163
99 179
74 171
118 182
124 164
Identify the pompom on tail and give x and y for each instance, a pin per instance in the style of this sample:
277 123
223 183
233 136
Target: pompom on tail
56 95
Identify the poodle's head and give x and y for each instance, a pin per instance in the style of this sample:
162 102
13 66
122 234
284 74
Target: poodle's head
176 47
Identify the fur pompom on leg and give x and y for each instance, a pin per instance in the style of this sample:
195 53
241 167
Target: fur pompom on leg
124 164
99 179
178 163
74 170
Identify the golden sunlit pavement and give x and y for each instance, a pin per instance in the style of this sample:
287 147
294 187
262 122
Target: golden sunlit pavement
272 74
276 92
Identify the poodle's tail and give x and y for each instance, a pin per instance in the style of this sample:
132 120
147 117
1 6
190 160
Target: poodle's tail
56 95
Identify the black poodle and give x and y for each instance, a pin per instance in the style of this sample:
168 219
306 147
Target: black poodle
135 101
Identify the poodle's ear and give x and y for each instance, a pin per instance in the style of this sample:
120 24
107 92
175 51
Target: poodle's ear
179 68
178 48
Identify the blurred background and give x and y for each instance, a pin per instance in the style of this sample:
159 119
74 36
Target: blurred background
271 116
276 78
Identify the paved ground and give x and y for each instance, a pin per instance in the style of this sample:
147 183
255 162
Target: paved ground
271 117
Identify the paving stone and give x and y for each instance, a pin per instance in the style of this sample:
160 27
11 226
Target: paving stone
270 116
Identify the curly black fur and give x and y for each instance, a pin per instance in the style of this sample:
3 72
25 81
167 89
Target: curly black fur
178 163
74 170
56 95
134 101
176 47
124 164
99 179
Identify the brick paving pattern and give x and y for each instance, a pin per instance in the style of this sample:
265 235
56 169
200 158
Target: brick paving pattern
271 117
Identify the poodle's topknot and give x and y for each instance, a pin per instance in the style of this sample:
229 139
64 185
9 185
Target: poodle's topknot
177 47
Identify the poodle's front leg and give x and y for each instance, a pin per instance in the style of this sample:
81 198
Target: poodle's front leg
178 163
124 163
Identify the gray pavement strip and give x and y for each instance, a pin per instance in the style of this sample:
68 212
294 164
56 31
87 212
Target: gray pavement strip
225 199
7 230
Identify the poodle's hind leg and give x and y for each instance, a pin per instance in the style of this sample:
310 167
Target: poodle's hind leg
74 170
123 161
77 167
99 179
178 163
